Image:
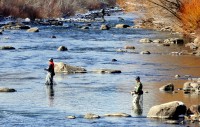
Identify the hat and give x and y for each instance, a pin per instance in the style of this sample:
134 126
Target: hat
50 59
137 78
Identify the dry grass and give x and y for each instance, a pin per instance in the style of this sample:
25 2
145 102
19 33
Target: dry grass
49 8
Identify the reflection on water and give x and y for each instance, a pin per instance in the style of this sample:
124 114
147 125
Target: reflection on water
50 92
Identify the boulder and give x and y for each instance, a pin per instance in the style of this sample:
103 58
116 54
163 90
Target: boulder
170 110
7 48
64 68
91 116
122 26
168 87
104 27
110 71
129 47
191 86
7 90
145 52
34 29
145 40
177 41
117 115
194 109
62 48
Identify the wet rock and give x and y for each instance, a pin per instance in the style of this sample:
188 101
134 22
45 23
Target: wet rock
7 48
23 27
7 90
1 32
177 41
170 110
62 48
34 29
145 52
84 27
91 116
177 76
114 60
129 47
166 44
121 26
117 115
110 71
71 117
145 40
191 86
194 109
192 46
53 36
157 41
168 87
64 68
104 27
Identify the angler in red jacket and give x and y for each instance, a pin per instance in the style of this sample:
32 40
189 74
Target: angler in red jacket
50 72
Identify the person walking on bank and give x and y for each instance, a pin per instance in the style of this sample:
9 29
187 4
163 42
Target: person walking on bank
50 73
137 93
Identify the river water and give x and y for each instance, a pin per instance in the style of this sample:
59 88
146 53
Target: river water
34 105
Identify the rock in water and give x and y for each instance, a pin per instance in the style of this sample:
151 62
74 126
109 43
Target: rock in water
168 87
62 48
170 110
64 68
7 48
7 90
117 115
34 29
122 26
104 27
91 116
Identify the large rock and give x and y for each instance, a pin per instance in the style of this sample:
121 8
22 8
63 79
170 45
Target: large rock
62 48
122 26
170 110
191 86
168 87
64 68
34 29
110 71
7 48
7 90
174 41
104 27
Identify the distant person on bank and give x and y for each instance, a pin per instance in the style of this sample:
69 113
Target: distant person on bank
50 73
137 93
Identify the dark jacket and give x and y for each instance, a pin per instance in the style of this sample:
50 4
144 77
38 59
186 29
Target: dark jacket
50 69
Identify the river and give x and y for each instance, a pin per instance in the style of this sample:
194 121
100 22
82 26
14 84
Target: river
78 94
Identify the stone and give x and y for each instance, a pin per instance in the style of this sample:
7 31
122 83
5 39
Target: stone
53 36
7 48
145 52
177 76
145 40
34 29
7 90
191 86
129 47
170 110
110 71
71 117
194 109
157 41
62 48
117 115
177 41
91 116
114 60
64 68
122 26
168 87
84 27
104 27
166 44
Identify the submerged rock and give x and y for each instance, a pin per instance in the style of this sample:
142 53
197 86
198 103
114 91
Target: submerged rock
117 115
110 71
170 110
104 27
34 29
7 48
91 116
7 90
64 68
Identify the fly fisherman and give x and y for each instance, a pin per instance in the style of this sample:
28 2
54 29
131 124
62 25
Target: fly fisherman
138 91
50 73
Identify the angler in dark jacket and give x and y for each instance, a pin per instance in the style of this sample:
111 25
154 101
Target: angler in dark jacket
50 72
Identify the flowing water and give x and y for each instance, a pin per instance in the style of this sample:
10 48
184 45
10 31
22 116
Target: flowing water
34 105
